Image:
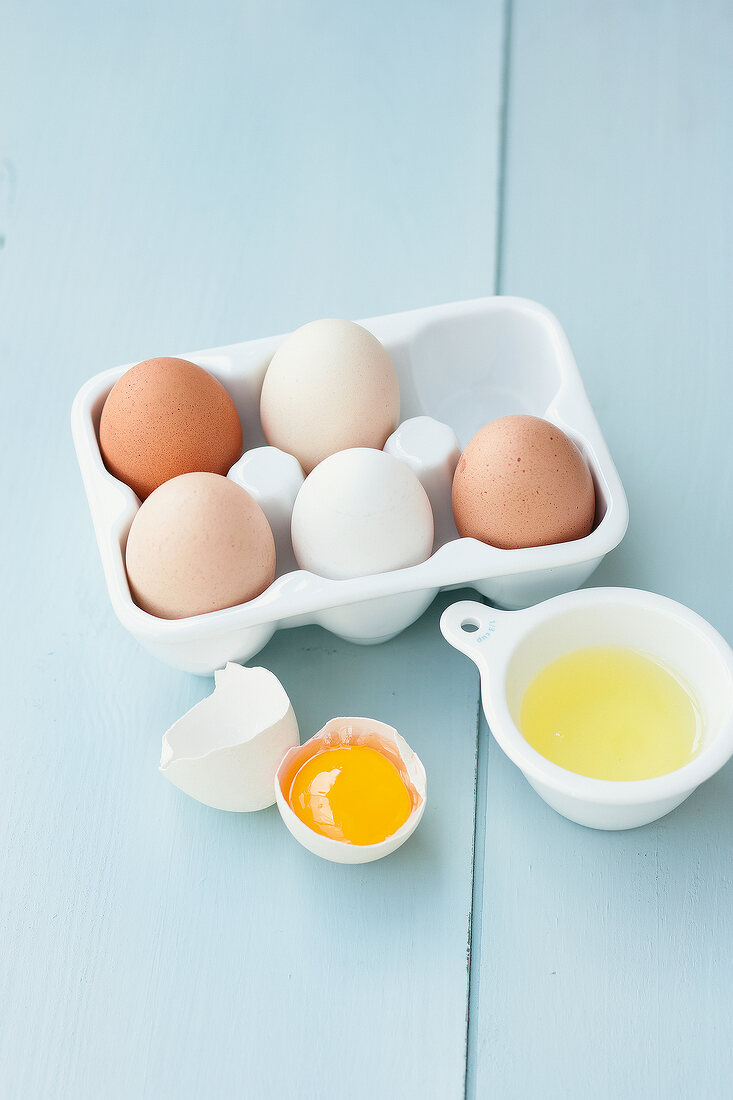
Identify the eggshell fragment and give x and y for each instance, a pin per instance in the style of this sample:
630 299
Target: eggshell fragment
330 385
354 731
522 482
225 751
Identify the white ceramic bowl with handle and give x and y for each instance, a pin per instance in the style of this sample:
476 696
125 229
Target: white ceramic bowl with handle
510 648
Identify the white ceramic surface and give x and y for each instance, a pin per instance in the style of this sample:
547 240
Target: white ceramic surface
431 450
463 365
274 479
510 648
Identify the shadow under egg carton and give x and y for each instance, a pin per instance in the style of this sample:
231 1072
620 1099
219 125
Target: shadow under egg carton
461 365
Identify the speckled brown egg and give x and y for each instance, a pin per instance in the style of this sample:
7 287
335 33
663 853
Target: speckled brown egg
522 482
198 543
167 417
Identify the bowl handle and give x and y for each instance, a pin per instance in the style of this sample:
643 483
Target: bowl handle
471 628
468 626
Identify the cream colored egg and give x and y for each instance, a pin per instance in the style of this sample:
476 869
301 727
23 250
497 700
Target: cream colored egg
198 543
361 512
330 385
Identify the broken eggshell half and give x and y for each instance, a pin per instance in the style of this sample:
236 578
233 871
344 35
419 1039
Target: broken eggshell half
225 751
353 731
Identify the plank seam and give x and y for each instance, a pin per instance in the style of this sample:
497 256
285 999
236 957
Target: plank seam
475 921
502 150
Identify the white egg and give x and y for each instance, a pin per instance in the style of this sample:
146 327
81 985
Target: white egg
225 751
361 512
351 731
330 385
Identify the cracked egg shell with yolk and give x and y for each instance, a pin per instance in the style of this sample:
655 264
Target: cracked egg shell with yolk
364 734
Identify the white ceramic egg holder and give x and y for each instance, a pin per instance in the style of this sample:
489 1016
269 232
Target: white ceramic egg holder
460 365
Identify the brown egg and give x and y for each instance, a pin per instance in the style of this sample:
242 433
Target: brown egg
167 417
522 482
198 543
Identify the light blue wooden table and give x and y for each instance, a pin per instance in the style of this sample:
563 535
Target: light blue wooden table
179 175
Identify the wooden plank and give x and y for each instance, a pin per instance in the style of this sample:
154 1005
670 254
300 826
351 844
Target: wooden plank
606 966
190 175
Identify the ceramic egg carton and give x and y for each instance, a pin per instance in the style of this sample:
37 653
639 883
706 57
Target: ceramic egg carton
459 366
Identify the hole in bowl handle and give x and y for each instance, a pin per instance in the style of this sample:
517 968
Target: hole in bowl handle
470 627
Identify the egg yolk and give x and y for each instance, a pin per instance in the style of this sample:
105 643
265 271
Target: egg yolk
352 793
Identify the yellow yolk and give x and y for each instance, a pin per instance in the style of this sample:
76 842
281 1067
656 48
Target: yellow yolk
611 713
352 793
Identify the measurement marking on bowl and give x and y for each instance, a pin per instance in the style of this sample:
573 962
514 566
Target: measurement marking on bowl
488 632
470 626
